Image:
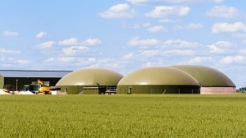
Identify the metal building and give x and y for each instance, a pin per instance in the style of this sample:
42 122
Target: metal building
90 81
211 80
19 78
158 80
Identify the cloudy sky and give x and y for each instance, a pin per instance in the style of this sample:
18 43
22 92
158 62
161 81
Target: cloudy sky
124 35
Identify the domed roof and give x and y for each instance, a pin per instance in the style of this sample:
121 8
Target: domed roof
91 77
206 76
158 76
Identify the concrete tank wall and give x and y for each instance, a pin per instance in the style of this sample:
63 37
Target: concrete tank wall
157 89
218 90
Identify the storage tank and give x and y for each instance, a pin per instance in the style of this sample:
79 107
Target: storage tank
90 81
158 80
211 80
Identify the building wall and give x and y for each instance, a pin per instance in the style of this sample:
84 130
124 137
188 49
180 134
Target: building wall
1 81
90 90
157 89
71 89
218 90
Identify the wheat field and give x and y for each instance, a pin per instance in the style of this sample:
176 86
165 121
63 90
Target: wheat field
123 116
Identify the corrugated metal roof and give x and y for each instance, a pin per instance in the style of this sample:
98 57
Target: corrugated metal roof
34 73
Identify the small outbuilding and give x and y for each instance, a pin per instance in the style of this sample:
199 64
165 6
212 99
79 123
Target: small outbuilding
90 81
158 80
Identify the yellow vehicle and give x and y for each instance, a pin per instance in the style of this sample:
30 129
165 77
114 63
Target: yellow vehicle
5 90
43 88
8 87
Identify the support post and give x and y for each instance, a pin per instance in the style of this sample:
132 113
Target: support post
16 84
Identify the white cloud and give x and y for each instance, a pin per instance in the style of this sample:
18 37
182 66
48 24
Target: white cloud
128 56
217 1
48 44
118 11
73 50
2 59
91 42
243 51
233 59
178 52
22 62
149 53
13 62
60 59
199 60
135 41
7 51
106 63
162 11
91 59
70 41
221 47
171 1
153 63
6 65
41 34
146 24
217 50
167 20
179 44
241 35
228 28
9 33
189 26
155 29
74 41
135 26
224 12
139 1
138 26
70 61
85 61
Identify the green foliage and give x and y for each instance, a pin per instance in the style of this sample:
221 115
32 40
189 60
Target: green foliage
112 116
243 89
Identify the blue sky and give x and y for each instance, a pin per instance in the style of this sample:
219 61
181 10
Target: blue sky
124 35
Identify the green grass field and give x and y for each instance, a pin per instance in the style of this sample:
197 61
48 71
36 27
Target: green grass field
128 116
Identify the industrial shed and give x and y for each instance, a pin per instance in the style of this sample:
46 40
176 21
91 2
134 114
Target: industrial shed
90 81
19 78
211 80
158 80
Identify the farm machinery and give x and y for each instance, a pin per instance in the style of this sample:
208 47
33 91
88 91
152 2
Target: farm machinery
39 87
8 88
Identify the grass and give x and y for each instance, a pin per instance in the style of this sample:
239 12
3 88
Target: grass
123 116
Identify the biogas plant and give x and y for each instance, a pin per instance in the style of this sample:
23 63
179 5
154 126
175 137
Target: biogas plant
178 79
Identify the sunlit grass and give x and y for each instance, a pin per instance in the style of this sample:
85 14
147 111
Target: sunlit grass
123 116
